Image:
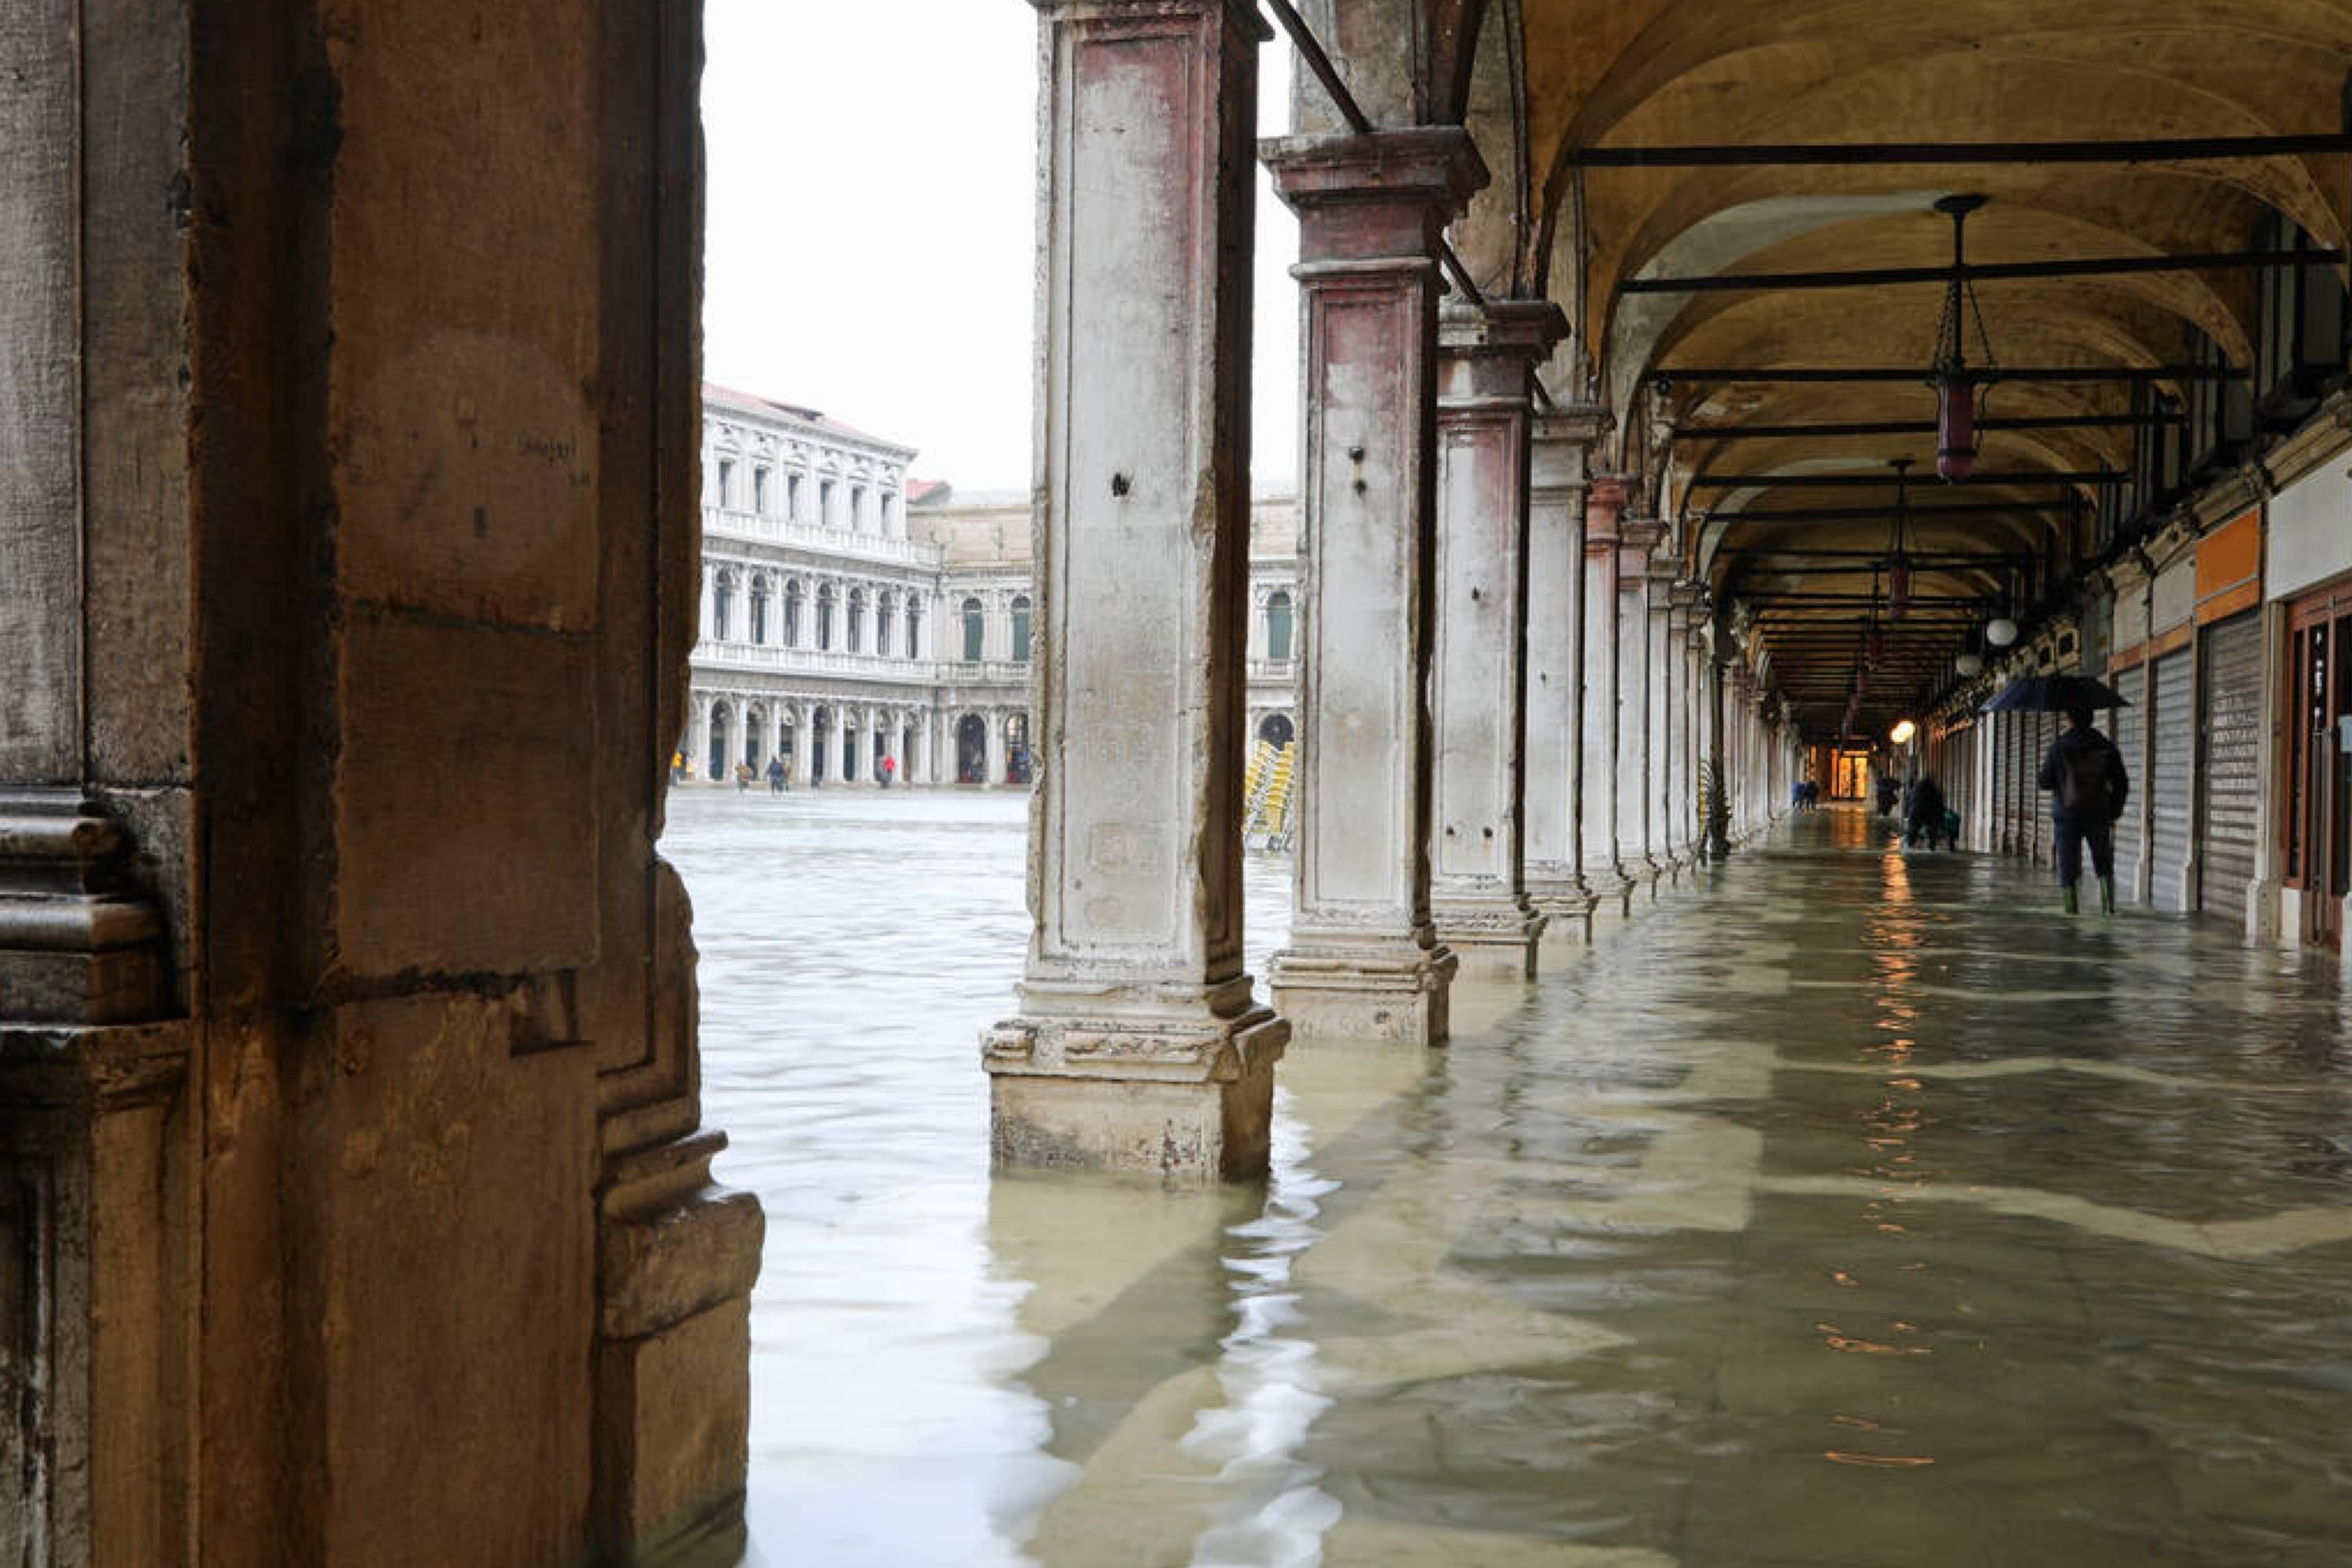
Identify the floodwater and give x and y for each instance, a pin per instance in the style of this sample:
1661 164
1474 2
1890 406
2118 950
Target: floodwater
1844 1208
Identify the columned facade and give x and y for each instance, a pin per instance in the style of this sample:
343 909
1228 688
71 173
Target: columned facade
1365 961
1555 704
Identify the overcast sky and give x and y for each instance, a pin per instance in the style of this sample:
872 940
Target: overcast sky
872 227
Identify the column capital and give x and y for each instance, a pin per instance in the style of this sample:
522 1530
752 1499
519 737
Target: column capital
1491 354
1381 196
1640 534
1241 14
1604 509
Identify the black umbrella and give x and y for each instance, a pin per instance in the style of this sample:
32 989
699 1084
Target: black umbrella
2055 694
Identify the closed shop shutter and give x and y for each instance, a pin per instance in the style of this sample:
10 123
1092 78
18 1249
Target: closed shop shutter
2169 790
2037 799
2130 726
2020 785
2229 696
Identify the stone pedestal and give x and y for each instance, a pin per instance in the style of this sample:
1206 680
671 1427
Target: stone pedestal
1140 1046
1478 895
1364 959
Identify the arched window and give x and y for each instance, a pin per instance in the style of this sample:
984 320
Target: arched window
792 613
722 607
882 623
856 619
717 756
974 623
914 629
760 608
824 617
1021 628
1277 625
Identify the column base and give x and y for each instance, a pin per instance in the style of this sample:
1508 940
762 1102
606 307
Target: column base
1184 1099
1390 991
1492 941
1567 906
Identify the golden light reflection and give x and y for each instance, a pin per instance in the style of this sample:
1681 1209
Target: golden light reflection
1877 1461
1852 1344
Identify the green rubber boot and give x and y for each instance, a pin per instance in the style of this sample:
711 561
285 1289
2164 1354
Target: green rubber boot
2107 895
2073 903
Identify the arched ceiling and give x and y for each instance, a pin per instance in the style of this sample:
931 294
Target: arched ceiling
1802 559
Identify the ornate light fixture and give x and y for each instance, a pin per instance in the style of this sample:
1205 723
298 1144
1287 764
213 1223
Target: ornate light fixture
1956 382
1898 566
1969 665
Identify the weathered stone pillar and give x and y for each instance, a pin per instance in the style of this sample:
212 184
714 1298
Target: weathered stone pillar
1604 713
1555 706
707 608
1364 960
1139 1043
994 750
1478 896
1637 678
1669 687
351 1149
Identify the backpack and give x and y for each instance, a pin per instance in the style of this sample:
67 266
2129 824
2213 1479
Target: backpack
2083 781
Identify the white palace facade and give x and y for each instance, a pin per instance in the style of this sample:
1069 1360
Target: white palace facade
856 624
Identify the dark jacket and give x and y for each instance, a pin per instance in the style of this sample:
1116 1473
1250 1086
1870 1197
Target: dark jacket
2053 768
1925 811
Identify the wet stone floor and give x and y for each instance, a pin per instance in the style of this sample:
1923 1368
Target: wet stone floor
1845 1207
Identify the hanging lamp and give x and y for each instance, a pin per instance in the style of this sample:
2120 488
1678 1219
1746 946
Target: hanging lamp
1898 566
1957 383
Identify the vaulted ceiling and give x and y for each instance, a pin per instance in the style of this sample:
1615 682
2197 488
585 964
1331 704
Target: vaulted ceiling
1561 92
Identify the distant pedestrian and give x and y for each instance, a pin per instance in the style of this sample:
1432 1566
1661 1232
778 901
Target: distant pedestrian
1923 816
776 773
742 776
2088 785
889 771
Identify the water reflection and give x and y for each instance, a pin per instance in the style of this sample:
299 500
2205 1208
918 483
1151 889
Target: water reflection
1796 1222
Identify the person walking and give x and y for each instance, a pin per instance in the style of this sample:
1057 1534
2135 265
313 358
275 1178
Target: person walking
1923 814
2088 785
776 773
889 771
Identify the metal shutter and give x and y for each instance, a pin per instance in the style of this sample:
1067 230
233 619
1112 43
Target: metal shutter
2130 726
2020 735
2229 792
2169 790
2037 800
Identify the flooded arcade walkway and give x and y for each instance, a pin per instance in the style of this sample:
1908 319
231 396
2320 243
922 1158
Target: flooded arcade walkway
1851 1208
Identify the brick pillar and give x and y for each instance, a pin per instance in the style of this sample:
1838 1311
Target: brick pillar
1556 672
1478 895
1604 865
1364 960
1139 1043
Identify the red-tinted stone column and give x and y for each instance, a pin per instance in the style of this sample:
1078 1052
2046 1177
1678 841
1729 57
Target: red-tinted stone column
1140 1044
1478 893
1364 960
1605 715
1556 672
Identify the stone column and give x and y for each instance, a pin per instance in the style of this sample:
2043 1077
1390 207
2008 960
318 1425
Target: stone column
697 744
707 611
1478 896
993 753
1603 836
1139 1043
1555 705
1669 696
1364 960
1637 677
